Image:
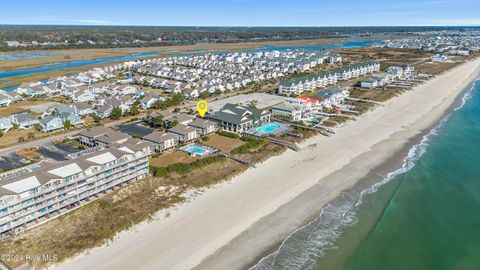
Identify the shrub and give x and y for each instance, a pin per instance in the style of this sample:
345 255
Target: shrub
184 168
251 143
228 134
161 172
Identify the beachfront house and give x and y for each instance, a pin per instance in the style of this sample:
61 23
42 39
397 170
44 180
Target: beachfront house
290 111
113 137
162 141
203 126
88 136
181 118
333 96
184 133
238 118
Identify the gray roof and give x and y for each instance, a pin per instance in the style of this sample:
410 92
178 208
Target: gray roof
82 105
286 107
237 114
182 129
158 137
182 117
24 117
47 119
65 109
94 132
113 137
43 175
201 123
331 91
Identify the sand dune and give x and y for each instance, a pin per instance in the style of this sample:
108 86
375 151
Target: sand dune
229 226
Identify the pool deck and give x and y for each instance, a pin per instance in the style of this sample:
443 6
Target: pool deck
208 149
281 130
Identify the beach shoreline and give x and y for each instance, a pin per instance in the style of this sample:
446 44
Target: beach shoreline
256 208
374 176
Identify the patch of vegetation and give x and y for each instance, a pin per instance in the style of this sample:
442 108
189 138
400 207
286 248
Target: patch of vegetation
251 143
228 134
184 168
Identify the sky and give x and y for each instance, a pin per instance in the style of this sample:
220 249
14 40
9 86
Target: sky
242 12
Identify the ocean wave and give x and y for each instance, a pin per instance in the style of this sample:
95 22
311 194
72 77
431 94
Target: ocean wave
305 245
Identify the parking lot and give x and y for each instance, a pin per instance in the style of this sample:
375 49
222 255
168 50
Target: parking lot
57 151
135 129
261 100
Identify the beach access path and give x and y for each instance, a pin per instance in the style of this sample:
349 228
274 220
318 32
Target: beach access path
211 232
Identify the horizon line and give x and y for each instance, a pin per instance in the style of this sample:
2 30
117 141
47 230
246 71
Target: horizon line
240 26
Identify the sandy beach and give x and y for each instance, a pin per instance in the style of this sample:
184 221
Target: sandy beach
230 226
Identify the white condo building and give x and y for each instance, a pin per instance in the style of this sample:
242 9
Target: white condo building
50 190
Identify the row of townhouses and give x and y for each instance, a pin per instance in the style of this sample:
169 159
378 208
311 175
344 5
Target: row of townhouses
192 75
303 108
324 79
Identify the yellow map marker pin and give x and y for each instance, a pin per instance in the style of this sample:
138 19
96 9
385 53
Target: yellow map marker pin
202 107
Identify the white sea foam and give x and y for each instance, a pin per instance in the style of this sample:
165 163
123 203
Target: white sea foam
306 244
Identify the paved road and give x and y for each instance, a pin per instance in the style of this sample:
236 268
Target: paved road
47 140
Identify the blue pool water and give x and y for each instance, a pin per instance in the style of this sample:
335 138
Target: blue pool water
268 128
197 150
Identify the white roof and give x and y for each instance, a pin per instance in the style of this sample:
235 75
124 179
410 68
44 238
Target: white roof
103 158
67 170
23 185
126 149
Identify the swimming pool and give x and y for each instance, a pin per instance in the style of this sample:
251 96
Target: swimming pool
197 149
268 128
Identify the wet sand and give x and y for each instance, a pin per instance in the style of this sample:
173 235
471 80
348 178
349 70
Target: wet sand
231 225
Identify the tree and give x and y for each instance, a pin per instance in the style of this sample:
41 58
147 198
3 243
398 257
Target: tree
31 135
116 113
21 139
176 110
159 120
158 104
134 110
38 127
1 132
204 94
67 124
96 119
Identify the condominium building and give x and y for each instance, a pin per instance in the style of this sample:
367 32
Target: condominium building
30 197
311 82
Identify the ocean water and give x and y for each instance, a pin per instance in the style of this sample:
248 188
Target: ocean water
425 215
